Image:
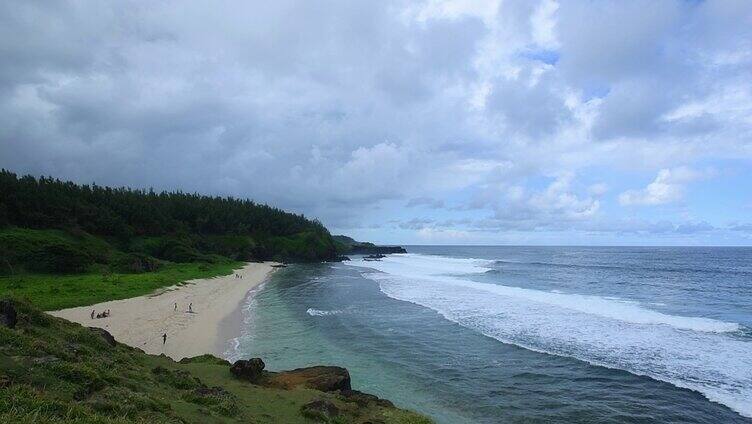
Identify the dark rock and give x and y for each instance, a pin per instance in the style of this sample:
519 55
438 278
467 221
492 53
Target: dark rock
364 399
8 315
376 250
249 370
105 335
376 257
322 378
321 410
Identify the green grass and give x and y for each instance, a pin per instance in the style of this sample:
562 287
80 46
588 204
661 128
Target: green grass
52 292
54 371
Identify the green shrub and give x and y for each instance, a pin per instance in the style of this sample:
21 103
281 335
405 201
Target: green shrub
60 258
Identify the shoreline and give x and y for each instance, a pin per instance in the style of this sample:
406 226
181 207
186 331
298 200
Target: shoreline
216 316
231 326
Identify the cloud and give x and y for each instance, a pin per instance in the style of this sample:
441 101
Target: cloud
598 189
667 187
530 104
428 202
745 228
416 224
694 227
358 112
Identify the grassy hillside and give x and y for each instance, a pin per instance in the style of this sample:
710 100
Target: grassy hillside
55 269
52 292
53 371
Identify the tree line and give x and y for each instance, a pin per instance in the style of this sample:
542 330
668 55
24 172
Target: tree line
176 226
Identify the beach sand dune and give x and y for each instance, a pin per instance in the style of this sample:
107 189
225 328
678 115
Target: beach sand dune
141 321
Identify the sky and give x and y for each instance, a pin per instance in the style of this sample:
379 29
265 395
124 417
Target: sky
577 122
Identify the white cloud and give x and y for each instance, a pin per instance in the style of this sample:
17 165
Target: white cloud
668 186
598 189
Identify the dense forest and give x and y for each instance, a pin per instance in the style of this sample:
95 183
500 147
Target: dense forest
59 226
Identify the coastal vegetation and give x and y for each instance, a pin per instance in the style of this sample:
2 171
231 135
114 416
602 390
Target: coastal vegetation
54 371
122 227
52 291
64 244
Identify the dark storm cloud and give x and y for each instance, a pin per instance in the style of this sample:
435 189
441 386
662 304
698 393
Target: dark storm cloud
291 103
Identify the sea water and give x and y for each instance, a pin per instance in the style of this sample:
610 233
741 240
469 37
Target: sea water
523 334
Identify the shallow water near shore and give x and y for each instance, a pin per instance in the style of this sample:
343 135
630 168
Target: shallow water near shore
534 334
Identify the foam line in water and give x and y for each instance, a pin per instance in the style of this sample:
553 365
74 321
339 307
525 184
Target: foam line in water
319 313
697 353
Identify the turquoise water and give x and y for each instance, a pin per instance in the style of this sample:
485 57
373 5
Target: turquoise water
524 334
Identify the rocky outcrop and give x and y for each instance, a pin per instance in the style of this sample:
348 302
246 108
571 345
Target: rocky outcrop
322 378
319 410
330 379
376 257
8 315
364 399
250 370
376 250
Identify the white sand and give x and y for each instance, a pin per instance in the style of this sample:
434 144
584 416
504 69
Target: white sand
141 321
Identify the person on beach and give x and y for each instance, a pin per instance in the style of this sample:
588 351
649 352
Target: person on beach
92 314
190 307
176 306
164 338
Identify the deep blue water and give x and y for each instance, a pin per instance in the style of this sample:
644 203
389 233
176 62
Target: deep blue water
524 334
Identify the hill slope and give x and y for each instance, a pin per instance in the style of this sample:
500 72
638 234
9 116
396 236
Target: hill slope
53 371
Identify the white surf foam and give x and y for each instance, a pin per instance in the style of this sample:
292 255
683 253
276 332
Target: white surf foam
698 353
319 313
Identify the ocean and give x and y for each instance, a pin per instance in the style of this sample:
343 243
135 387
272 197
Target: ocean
523 334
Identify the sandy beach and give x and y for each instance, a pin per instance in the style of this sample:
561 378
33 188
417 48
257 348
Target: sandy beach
141 321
